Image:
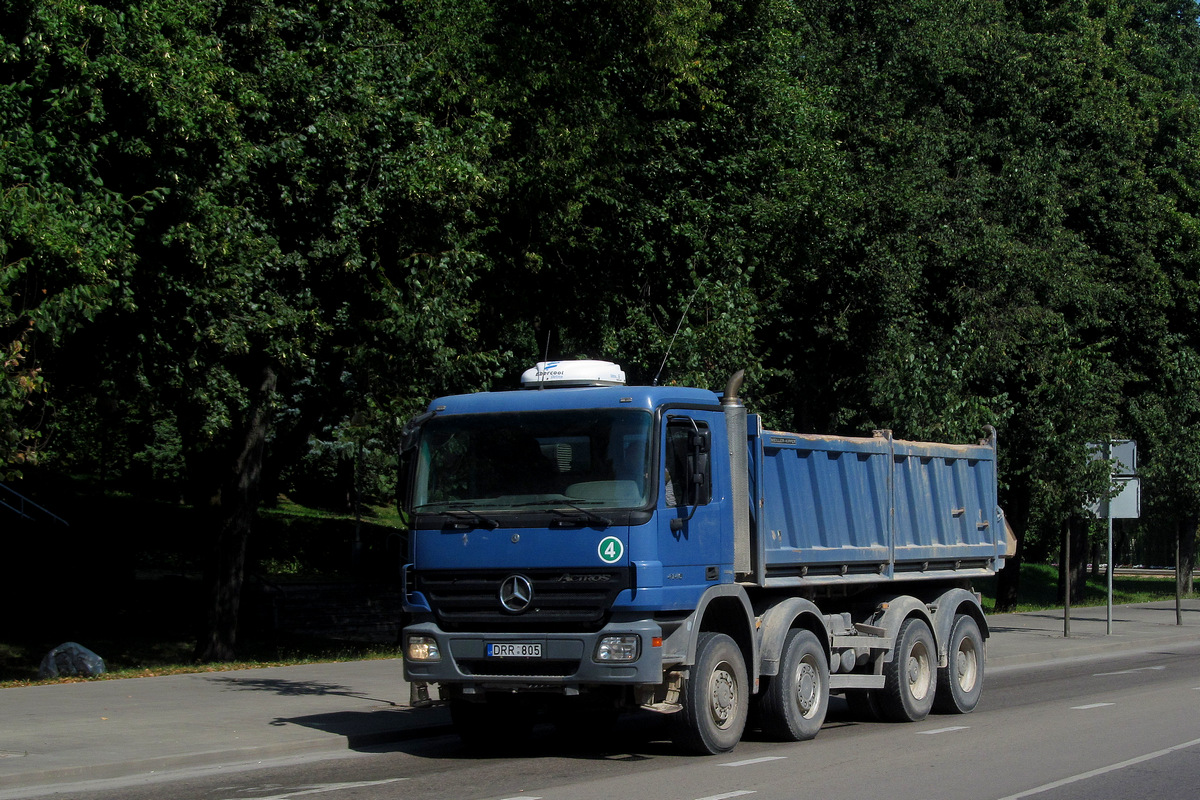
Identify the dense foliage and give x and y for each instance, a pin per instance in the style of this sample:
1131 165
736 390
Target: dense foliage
241 239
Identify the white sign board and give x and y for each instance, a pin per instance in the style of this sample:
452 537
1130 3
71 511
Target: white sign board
1123 452
1126 504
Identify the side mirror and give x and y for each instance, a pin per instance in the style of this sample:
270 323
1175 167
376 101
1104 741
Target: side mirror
411 431
410 434
697 479
699 483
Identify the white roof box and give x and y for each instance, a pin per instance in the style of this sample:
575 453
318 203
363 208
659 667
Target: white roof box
562 374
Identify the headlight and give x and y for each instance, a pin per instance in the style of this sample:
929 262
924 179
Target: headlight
618 648
422 648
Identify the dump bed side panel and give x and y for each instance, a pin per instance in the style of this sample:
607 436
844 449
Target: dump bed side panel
825 501
844 509
945 505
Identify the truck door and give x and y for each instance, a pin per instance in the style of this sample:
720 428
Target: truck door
689 519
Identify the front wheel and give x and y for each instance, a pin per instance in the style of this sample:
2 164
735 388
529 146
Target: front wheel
715 698
910 677
961 683
795 701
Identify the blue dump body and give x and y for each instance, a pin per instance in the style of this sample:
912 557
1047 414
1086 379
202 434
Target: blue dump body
843 509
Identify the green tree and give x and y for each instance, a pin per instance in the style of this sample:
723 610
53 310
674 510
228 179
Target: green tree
1159 298
66 233
322 169
964 288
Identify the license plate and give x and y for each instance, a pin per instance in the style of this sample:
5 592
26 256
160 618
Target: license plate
514 650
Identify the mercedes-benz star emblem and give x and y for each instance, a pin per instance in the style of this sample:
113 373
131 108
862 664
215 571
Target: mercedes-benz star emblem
516 593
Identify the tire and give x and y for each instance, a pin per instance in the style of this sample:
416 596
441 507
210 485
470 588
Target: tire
716 698
793 706
961 682
910 678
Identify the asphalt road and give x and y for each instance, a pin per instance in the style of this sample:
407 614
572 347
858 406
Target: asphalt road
1110 729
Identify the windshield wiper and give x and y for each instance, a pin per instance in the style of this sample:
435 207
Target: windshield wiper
589 515
592 516
465 513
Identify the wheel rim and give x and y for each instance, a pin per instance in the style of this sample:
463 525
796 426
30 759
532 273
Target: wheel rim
966 665
808 687
723 696
919 671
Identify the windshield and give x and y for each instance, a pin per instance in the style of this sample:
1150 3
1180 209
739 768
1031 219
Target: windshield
507 462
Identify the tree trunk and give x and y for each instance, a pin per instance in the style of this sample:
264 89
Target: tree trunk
1008 580
240 496
1187 547
1179 572
1077 568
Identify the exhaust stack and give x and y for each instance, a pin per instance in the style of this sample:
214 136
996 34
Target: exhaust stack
739 467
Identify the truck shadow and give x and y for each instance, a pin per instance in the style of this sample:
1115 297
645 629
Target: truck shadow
286 688
428 733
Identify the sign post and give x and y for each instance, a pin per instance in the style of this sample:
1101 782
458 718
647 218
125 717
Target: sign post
1126 503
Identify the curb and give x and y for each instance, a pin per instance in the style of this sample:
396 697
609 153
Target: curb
1090 652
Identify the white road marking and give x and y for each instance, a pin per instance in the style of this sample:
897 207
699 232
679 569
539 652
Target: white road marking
1128 671
321 788
1089 707
749 761
523 797
727 795
1083 776
944 730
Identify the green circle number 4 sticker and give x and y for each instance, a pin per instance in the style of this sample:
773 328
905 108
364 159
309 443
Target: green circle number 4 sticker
610 549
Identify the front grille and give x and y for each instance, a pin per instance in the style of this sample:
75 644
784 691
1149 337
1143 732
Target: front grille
517 669
563 599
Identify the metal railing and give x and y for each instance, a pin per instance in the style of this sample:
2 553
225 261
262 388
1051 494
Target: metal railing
25 508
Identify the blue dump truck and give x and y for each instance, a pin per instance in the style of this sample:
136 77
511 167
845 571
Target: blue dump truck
581 547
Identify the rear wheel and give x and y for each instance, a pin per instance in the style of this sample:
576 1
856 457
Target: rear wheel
910 677
795 701
961 682
715 698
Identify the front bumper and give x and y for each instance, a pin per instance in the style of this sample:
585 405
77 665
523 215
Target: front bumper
567 659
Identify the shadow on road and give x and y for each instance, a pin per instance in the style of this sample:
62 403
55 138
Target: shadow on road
286 688
427 733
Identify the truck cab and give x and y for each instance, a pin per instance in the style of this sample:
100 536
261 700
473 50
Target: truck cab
559 534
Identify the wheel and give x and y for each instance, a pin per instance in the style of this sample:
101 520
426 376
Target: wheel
910 677
794 703
715 698
961 683
499 724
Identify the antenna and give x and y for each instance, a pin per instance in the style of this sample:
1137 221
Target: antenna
673 335
545 361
